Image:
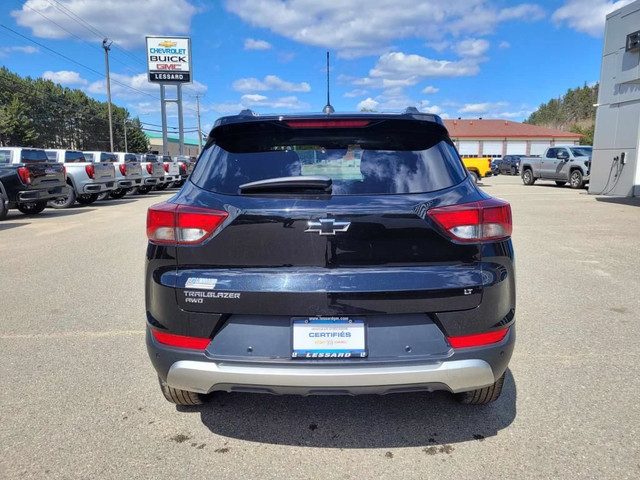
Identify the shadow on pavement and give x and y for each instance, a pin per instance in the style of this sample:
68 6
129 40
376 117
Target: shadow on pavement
6 225
630 201
64 212
115 201
368 421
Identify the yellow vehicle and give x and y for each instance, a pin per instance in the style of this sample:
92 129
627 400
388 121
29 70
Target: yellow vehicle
478 167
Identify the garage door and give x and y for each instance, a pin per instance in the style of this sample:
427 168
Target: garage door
516 148
469 148
491 148
538 148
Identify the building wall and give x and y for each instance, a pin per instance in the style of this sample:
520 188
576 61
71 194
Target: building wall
510 145
618 115
155 145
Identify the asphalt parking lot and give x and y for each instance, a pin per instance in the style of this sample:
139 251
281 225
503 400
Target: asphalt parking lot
79 397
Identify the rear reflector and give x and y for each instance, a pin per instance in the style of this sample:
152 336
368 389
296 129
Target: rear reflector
123 169
166 167
169 223
195 343
327 123
149 168
487 220
479 339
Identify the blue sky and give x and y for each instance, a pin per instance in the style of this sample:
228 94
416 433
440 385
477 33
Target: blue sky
457 58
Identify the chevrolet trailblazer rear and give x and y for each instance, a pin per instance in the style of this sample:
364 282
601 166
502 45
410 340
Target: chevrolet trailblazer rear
330 254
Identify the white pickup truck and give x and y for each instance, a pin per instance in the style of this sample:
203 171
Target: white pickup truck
171 172
560 163
87 179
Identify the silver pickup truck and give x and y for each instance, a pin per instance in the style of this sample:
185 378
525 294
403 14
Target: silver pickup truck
152 172
127 168
86 179
171 172
560 163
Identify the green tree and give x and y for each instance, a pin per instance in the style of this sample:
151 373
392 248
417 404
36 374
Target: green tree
136 139
16 128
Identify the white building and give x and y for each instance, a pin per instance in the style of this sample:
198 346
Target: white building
615 169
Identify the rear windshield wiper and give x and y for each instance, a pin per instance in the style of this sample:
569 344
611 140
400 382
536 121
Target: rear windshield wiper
289 184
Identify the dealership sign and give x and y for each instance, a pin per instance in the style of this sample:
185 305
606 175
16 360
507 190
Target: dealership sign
169 59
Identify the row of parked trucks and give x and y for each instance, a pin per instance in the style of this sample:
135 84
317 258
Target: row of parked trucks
32 179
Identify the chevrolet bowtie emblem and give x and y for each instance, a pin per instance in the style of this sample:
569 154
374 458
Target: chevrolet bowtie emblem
327 226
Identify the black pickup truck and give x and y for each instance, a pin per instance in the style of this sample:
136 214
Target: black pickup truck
28 180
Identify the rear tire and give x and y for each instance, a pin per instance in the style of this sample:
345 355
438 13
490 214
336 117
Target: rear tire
527 177
32 208
474 177
143 190
64 202
162 186
180 397
482 396
87 198
560 184
575 180
4 209
118 192
103 196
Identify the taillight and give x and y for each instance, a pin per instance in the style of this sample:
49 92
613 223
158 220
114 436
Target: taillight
64 170
91 172
168 223
25 175
486 220
478 340
489 163
166 167
149 168
183 167
123 169
181 341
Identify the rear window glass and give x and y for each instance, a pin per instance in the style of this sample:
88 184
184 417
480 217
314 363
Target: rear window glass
150 157
130 157
28 155
582 152
89 157
391 157
52 156
5 156
108 157
74 157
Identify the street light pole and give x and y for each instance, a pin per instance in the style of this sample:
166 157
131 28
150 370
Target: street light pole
199 129
106 44
126 150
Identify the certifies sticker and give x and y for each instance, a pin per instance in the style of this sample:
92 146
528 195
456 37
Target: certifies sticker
201 283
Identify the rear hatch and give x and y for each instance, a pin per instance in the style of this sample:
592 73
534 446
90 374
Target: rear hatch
105 168
172 168
41 172
343 232
153 165
133 167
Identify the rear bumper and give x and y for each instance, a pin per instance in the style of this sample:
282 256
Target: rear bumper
98 187
459 371
38 195
455 376
151 181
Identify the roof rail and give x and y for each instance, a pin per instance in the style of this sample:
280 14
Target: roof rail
247 112
411 110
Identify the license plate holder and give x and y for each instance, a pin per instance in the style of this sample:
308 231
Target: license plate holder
328 338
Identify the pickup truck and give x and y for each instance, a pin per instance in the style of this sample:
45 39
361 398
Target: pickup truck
152 171
560 163
185 163
478 168
28 180
86 179
128 171
171 172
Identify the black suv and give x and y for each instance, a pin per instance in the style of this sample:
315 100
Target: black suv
330 254
510 164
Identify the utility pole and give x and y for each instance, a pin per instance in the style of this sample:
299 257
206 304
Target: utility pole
199 129
126 149
106 44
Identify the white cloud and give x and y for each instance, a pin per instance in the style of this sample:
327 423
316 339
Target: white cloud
472 47
124 21
358 92
270 82
504 45
402 66
252 44
481 108
65 77
282 103
428 90
6 51
436 110
368 104
439 46
587 16
344 26
227 108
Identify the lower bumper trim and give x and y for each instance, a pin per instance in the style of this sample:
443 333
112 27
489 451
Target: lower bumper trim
454 376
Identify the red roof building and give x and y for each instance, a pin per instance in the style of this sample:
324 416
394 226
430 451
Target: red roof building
496 138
